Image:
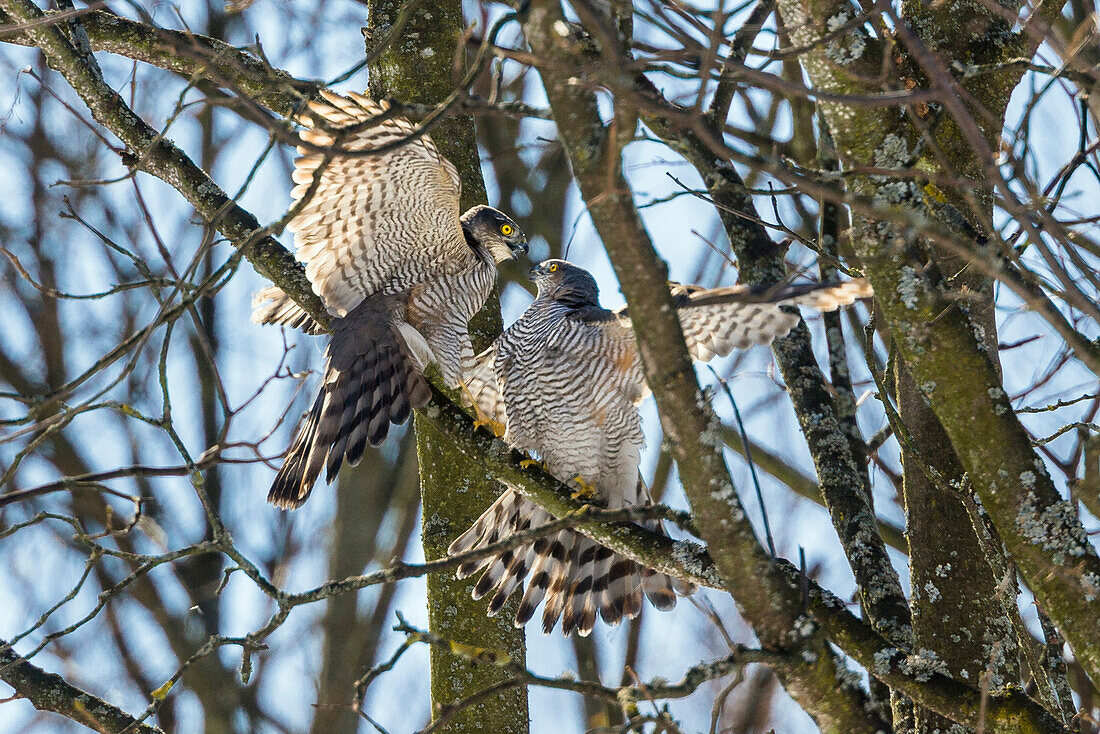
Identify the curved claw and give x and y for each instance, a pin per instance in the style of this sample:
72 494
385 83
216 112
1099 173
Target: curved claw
586 491
494 427
481 420
528 463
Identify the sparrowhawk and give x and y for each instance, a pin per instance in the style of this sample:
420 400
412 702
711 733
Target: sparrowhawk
566 381
397 266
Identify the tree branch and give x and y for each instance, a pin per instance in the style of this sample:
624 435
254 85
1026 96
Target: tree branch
958 377
50 692
775 607
155 154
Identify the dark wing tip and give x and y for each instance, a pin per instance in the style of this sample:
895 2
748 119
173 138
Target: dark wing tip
296 476
289 491
285 498
664 600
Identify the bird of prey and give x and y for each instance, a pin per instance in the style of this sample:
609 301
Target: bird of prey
566 381
379 230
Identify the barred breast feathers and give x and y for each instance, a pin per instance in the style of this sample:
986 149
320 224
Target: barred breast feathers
568 383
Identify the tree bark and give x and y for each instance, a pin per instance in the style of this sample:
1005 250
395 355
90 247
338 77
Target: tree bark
941 343
455 490
50 692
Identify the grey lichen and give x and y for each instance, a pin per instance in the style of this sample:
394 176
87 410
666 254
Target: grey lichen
843 48
909 285
893 152
932 594
883 660
1056 527
1091 584
923 664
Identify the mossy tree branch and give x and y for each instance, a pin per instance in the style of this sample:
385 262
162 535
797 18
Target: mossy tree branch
963 609
50 692
955 369
843 627
772 607
843 486
887 662
802 484
188 54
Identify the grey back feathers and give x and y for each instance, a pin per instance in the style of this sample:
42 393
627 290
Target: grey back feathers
402 272
566 380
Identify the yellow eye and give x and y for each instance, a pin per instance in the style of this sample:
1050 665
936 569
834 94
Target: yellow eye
507 230
554 268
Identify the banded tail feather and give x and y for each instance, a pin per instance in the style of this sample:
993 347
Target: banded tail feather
573 578
372 378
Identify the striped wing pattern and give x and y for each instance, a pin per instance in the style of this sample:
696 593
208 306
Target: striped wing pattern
372 378
371 222
481 384
566 383
718 320
378 229
271 306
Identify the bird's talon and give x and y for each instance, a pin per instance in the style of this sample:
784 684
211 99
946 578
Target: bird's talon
481 420
586 491
494 427
528 463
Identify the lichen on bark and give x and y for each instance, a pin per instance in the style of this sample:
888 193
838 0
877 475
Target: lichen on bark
455 490
948 352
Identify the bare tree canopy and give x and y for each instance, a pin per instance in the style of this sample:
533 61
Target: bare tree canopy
890 516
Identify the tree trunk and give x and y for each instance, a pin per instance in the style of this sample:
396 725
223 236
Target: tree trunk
455 491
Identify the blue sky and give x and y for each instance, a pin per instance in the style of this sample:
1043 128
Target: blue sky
671 641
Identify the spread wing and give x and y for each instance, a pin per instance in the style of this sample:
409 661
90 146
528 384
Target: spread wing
718 320
272 306
372 223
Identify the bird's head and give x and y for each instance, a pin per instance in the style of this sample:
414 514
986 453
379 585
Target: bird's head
564 281
495 231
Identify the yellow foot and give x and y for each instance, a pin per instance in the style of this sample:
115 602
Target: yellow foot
494 427
528 463
586 491
481 420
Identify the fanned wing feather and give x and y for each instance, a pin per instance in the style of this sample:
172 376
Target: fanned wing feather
718 320
272 306
372 223
571 576
376 223
371 380
481 383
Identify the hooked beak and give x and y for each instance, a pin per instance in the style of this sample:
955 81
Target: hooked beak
518 248
535 272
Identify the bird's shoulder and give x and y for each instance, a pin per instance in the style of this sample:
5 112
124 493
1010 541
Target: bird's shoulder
591 315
